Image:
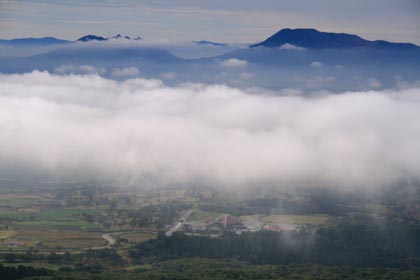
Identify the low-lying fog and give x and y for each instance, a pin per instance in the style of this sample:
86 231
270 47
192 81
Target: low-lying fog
143 131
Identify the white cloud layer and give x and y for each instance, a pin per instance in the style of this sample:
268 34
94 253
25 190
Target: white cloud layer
316 64
234 63
291 47
140 130
79 69
128 72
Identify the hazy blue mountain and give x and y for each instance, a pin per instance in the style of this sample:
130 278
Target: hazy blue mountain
149 59
49 41
302 47
45 41
209 43
314 39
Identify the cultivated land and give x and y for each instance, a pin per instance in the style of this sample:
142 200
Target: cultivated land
297 219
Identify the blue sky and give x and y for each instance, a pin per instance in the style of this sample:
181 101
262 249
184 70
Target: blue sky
225 21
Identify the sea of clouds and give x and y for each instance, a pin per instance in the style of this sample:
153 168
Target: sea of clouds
143 131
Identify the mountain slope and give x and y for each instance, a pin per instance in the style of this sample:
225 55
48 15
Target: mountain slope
314 39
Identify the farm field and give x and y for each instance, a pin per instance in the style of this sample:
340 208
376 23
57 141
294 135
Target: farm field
138 236
50 239
53 229
204 216
60 218
296 219
21 200
76 219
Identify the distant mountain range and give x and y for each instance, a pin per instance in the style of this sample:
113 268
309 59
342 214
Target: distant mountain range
49 41
295 58
303 38
314 39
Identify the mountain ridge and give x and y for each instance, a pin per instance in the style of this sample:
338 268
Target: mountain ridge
88 38
47 41
311 38
308 38
34 41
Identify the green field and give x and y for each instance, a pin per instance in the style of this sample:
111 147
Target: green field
5 214
62 217
138 236
48 229
20 200
50 238
204 216
296 219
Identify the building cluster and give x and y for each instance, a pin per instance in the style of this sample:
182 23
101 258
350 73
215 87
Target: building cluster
227 223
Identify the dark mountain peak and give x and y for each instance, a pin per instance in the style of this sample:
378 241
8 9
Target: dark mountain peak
89 38
313 39
209 43
119 36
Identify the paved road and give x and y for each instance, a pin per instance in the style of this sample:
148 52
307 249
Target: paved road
183 217
109 238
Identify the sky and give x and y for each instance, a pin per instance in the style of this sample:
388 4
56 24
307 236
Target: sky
233 21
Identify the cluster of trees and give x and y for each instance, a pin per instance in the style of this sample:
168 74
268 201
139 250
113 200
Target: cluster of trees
85 259
356 245
198 269
83 195
159 215
20 272
314 204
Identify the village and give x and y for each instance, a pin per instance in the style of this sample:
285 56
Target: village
228 223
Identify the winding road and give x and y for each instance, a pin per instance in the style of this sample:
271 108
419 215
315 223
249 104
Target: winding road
178 222
110 239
